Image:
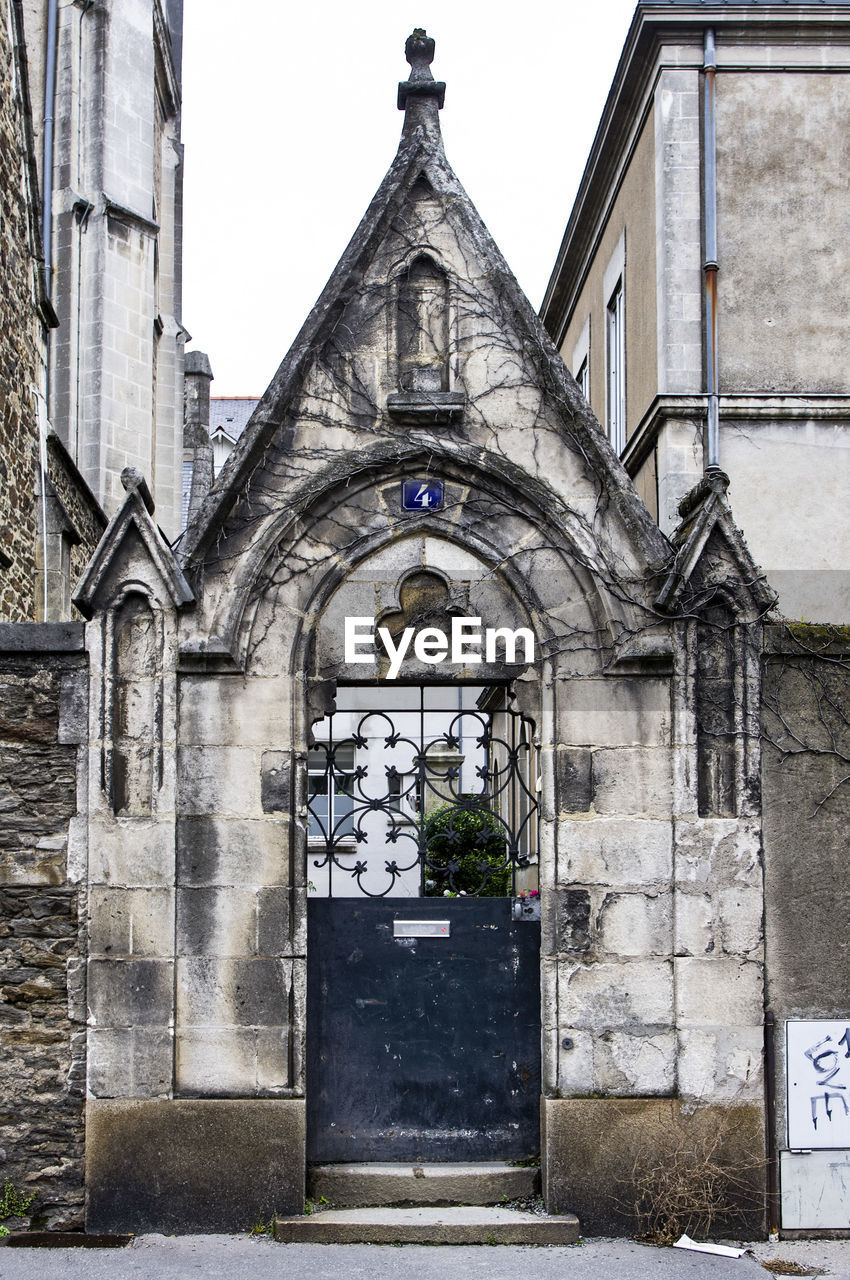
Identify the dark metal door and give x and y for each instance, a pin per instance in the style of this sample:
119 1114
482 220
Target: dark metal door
422 1048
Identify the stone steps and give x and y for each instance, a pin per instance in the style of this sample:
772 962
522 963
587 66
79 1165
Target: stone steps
382 1203
351 1186
454 1224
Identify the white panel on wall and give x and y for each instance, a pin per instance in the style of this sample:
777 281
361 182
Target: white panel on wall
817 1066
815 1190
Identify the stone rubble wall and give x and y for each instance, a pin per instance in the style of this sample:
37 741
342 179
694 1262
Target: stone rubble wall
42 1017
19 361
43 1065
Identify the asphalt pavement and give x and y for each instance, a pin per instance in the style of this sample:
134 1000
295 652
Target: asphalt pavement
246 1258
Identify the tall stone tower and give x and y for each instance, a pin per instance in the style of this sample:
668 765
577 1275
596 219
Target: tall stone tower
106 92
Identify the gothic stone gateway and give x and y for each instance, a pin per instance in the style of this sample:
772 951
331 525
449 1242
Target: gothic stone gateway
210 667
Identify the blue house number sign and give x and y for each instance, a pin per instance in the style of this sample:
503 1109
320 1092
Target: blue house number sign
421 495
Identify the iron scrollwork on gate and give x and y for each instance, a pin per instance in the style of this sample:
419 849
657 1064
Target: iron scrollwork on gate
421 800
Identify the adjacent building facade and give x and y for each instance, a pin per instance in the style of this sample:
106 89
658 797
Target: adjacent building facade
113 237
93 227
699 296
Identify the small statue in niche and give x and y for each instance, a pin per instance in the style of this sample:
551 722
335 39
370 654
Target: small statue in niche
423 327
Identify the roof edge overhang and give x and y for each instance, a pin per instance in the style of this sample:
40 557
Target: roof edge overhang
653 24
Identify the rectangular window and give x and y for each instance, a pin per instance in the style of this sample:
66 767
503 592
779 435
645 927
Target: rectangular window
188 469
580 363
394 792
616 357
582 378
330 794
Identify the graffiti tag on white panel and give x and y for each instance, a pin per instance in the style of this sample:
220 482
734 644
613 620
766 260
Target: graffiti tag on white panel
818 1084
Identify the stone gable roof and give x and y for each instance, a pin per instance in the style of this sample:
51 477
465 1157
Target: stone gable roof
132 525
706 516
421 158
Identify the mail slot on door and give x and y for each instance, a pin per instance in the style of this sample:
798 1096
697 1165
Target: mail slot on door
421 928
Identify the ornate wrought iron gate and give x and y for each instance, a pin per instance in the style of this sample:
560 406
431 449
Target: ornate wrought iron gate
422 798
423 958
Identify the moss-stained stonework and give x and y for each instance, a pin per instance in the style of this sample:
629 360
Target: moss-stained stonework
605 1159
421 359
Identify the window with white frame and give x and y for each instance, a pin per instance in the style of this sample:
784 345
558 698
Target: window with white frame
616 361
582 378
580 363
330 793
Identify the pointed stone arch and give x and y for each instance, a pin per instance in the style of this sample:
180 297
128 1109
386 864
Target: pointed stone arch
487 500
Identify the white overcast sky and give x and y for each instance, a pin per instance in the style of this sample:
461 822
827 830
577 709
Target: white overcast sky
290 123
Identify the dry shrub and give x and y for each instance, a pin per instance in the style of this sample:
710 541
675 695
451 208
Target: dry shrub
695 1185
781 1268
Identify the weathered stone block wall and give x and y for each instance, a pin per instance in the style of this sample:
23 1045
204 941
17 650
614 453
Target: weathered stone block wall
653 1000
131 790
42 1018
606 1158
609 1011
240 913
654 931
18 357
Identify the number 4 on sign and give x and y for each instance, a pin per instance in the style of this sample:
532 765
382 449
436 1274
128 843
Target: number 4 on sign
421 495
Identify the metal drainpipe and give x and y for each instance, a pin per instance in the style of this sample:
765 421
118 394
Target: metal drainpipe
83 209
47 175
712 452
41 419
773 1201
43 408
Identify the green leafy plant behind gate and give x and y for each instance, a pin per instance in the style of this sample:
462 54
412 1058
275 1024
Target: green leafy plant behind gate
466 853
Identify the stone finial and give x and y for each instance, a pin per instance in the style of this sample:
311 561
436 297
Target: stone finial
197 377
133 479
420 87
197 364
419 52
